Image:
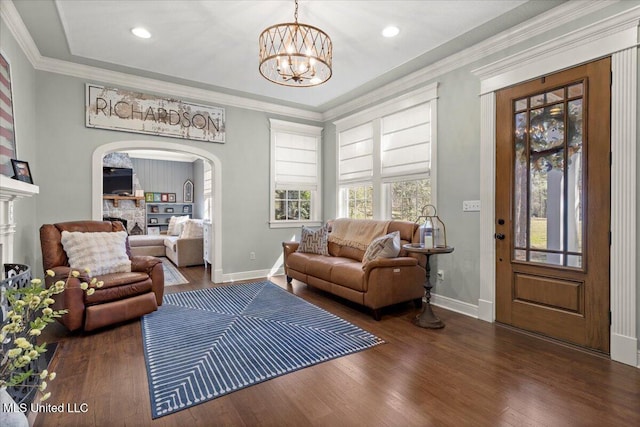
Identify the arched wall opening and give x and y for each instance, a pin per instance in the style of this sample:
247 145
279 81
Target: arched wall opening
212 160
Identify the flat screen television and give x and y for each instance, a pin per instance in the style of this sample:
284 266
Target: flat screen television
117 181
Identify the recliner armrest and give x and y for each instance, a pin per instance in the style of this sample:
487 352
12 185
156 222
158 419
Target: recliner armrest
144 263
290 247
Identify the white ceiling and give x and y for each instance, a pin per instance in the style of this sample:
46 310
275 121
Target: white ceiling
215 43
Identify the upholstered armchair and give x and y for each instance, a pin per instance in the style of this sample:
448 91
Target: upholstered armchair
125 295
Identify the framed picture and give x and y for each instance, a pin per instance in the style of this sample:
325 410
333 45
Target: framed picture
156 197
21 171
153 220
186 209
172 197
164 197
153 231
187 191
148 197
155 209
168 210
167 220
7 126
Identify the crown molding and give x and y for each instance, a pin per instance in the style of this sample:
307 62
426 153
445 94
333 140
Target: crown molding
540 24
11 17
537 25
14 22
599 39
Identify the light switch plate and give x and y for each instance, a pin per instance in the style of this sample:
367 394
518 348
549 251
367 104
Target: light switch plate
471 206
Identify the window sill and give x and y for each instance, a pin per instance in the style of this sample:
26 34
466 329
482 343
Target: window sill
294 224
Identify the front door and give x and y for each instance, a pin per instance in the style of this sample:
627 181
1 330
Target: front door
553 205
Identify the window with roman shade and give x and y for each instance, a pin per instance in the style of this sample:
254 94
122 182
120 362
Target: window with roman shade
295 174
386 158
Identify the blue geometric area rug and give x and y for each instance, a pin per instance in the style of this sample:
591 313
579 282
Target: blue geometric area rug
204 344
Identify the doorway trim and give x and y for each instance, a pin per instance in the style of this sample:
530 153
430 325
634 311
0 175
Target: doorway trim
96 187
616 36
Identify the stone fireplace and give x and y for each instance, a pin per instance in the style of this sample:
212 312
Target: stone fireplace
126 209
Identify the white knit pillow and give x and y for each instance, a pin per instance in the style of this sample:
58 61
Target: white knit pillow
175 225
387 246
100 252
192 229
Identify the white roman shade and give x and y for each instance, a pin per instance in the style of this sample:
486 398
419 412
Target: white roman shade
296 161
406 139
356 153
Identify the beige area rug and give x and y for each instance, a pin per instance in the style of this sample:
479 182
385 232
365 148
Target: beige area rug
171 274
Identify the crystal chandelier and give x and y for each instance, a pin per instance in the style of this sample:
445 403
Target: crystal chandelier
294 54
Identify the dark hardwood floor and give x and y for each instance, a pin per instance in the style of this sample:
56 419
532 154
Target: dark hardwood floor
471 373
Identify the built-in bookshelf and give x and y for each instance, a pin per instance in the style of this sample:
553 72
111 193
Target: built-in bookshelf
159 214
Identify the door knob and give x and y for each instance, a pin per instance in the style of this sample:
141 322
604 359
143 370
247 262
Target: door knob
499 236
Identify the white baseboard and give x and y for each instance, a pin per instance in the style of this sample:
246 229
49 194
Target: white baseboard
248 275
485 310
624 349
455 305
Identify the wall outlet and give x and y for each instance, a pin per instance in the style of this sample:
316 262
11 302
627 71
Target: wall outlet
252 255
471 206
440 275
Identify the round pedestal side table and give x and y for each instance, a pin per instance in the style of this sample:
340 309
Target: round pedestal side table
427 319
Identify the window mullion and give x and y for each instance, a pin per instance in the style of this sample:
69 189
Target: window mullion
378 205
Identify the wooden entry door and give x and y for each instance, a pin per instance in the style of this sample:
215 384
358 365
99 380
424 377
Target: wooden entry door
553 205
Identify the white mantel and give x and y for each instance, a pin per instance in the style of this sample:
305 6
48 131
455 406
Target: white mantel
10 190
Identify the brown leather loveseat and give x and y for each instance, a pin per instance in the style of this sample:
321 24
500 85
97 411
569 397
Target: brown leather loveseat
124 296
382 282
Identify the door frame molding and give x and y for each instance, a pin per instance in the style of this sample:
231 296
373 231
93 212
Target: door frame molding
213 160
616 36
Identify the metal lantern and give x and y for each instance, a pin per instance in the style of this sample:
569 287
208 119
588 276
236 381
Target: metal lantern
432 230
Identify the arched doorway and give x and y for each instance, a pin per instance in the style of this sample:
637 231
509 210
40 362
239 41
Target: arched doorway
216 167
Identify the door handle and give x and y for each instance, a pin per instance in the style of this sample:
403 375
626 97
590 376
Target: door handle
499 236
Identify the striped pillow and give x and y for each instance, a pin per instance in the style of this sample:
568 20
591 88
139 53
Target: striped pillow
192 229
387 246
314 241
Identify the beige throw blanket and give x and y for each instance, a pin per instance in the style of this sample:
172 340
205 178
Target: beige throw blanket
357 233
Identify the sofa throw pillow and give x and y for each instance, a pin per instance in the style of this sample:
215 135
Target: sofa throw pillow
100 252
175 225
314 241
387 246
192 229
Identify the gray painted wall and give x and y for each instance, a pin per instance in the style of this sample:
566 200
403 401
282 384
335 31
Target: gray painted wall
162 176
59 148
23 76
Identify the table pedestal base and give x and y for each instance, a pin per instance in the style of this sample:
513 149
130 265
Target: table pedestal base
427 319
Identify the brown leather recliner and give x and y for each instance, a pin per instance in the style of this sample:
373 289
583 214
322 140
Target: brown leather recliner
124 296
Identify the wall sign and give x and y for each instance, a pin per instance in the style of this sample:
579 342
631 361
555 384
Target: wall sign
123 110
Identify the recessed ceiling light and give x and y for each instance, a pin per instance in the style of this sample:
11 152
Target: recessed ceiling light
141 32
391 31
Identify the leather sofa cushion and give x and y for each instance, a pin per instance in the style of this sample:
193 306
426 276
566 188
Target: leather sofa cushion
118 286
320 266
349 274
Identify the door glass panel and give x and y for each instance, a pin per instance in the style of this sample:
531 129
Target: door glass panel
549 177
521 171
574 178
575 90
